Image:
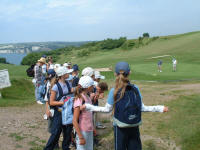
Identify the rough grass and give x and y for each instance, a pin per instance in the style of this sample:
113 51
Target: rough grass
21 93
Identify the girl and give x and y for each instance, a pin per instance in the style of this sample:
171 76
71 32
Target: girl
58 92
82 120
127 135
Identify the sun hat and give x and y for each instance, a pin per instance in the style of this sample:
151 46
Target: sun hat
86 82
66 65
98 75
122 66
56 66
75 67
42 60
60 71
88 71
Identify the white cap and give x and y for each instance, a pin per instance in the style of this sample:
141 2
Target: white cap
66 65
60 71
98 75
86 82
88 71
56 66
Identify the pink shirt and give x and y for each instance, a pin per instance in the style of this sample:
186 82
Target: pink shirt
85 117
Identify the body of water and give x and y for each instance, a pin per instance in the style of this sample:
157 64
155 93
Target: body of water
13 58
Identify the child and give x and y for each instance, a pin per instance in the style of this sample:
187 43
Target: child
58 93
126 100
82 120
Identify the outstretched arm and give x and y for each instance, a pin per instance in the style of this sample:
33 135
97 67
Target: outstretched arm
106 109
158 108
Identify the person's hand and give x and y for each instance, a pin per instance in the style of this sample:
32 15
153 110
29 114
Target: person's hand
95 132
61 102
82 141
165 109
83 107
48 113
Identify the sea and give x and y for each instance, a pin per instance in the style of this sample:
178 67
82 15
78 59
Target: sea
13 58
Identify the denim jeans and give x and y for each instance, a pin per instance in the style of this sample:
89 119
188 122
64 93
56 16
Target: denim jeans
127 138
56 130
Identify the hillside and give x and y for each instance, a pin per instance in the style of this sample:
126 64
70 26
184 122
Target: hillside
185 48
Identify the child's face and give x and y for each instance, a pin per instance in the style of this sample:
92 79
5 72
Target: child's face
66 76
90 89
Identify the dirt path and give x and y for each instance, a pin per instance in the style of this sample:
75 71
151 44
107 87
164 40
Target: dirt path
25 129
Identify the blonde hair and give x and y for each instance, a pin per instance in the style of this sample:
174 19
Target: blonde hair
120 85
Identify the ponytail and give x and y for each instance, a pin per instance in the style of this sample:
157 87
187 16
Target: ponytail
78 92
120 85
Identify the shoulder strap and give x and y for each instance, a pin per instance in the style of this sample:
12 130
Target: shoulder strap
68 86
136 91
60 91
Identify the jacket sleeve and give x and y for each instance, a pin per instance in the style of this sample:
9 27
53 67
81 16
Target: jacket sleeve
158 108
106 109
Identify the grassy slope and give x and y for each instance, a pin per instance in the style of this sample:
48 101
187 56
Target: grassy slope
184 47
21 92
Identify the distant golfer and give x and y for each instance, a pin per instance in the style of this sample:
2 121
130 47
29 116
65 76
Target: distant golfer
174 63
159 66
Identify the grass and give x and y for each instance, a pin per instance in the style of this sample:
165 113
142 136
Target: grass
17 136
180 124
21 93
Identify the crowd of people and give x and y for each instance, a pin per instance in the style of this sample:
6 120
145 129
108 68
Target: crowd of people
72 105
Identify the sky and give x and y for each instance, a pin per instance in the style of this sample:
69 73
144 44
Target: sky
89 20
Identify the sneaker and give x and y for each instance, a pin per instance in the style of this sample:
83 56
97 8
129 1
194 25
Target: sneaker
100 126
39 102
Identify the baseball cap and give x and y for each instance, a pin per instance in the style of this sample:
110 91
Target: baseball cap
86 82
75 67
88 71
122 66
98 75
60 71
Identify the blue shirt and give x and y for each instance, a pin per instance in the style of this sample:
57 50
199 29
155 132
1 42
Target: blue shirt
64 88
110 99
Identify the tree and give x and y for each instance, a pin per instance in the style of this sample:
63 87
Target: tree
146 35
3 60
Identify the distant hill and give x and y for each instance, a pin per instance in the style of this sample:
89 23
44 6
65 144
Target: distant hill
35 46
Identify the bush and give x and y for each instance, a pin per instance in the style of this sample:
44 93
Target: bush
83 53
112 43
3 60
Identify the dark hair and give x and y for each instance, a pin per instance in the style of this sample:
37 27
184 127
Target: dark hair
103 86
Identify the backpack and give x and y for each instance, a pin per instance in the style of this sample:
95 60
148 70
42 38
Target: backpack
61 95
30 71
127 111
67 110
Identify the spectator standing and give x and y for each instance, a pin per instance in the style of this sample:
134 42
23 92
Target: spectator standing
160 66
39 78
